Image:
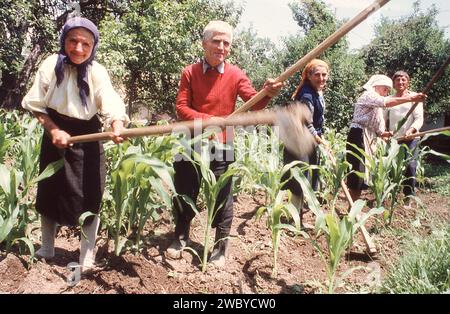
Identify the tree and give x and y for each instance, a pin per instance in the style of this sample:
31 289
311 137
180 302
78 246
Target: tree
416 45
29 32
256 56
316 23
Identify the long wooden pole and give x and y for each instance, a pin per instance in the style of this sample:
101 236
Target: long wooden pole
328 42
366 236
254 118
420 134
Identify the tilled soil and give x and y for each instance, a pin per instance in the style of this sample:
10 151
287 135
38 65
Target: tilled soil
248 269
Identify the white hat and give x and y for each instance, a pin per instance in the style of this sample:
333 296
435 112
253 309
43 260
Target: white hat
378 80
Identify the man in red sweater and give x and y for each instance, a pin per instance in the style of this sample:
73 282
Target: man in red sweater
209 90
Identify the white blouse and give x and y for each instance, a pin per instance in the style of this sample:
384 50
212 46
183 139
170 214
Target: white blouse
65 98
369 112
415 120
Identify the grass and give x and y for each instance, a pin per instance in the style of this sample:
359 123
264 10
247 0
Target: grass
439 175
425 268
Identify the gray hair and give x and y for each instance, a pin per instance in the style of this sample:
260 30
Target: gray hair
217 27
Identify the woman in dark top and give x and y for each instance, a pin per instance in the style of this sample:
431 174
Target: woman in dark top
310 93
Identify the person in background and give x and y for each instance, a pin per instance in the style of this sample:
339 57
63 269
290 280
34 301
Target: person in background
368 123
309 93
69 92
209 90
412 125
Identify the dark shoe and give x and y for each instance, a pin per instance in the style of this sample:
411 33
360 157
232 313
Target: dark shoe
176 248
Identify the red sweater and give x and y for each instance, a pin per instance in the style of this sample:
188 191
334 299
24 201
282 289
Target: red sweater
203 95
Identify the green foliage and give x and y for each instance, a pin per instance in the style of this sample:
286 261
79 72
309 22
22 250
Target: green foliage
27 31
439 175
258 150
255 56
276 210
338 232
346 69
20 152
425 268
436 174
140 184
210 186
339 235
379 165
416 45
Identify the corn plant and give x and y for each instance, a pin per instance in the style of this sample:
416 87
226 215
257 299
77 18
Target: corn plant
275 211
276 206
257 149
338 232
422 153
4 143
386 170
332 173
333 167
379 167
15 205
397 177
139 182
211 187
22 140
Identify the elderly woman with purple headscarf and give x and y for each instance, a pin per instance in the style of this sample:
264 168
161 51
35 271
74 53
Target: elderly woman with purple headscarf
368 122
70 93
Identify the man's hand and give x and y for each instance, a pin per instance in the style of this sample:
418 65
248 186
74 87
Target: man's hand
386 135
273 88
60 138
118 128
322 142
410 131
419 97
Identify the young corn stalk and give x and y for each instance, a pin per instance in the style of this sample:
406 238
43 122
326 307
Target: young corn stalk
14 203
422 153
276 205
379 168
19 149
275 211
338 232
397 177
331 172
257 149
135 182
211 187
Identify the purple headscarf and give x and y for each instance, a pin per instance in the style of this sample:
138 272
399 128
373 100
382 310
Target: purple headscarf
82 80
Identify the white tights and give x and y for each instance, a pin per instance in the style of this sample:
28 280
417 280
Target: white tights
87 246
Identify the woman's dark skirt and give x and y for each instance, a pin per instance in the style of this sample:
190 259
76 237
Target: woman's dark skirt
313 159
78 186
355 136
